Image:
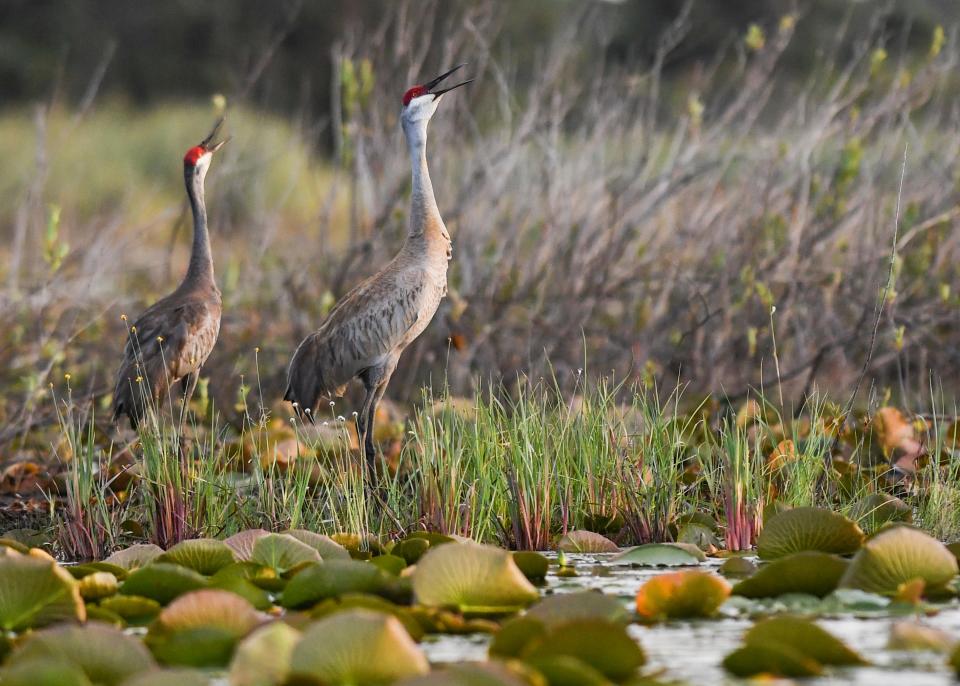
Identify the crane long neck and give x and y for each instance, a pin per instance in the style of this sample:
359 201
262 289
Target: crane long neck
201 259
425 220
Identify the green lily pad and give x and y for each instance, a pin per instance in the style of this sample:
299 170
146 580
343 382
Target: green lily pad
473 578
411 549
35 592
204 555
814 643
435 538
700 535
657 555
263 657
44 672
586 542
163 582
236 579
878 509
776 659
486 674
561 608
514 636
14 545
533 565
808 528
105 654
356 544
170 677
98 585
282 552
564 670
809 572
326 546
95 613
133 609
242 543
135 556
681 595
954 660
737 568
357 647
897 556
604 646
365 601
80 571
319 581
391 564
201 628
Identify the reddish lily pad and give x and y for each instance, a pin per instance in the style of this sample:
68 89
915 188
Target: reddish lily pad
681 595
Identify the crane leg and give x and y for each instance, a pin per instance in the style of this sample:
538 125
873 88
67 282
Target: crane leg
188 385
375 384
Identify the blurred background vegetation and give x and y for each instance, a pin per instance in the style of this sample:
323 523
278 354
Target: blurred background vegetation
631 187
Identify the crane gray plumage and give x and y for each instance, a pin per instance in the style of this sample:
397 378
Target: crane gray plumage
366 332
172 339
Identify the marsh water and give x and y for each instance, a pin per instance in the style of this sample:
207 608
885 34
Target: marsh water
693 651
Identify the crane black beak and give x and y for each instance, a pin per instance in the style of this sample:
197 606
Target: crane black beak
207 144
437 93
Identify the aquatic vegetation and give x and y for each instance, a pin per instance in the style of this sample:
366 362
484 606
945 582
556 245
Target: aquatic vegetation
659 555
808 528
163 582
899 556
263 657
681 595
809 572
203 555
586 542
35 592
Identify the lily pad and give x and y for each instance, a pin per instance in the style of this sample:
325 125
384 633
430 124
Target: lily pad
319 581
909 635
357 647
282 552
35 592
201 628
771 658
135 556
236 578
163 582
204 555
564 670
326 546
98 585
657 555
814 642
604 646
558 609
365 601
242 543
170 677
263 657
700 535
411 549
586 542
44 672
105 654
473 578
737 568
897 556
681 595
356 544
533 565
878 509
808 528
486 674
133 609
809 572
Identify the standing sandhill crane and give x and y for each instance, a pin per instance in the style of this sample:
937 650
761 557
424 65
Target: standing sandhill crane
370 327
173 338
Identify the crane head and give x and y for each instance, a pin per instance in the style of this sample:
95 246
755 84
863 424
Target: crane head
420 102
198 157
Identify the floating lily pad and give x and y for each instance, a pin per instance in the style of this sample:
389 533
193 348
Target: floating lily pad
533 565
564 670
897 556
910 635
411 549
515 635
170 677
814 642
357 647
472 578
878 509
326 546
44 672
282 552
163 582
604 646
203 555
318 582
201 628
355 543
133 609
95 613
105 654
657 555
236 578
737 568
559 609
809 572
263 657
365 601
808 528
14 545
700 535
135 556
771 658
35 592
586 542
84 570
681 595
487 674
98 585
242 543
389 563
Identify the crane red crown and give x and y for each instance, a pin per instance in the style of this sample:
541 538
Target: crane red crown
414 92
193 155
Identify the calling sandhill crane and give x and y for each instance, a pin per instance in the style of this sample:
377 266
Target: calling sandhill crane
370 327
173 338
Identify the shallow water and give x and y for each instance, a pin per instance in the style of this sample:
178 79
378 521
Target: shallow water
693 650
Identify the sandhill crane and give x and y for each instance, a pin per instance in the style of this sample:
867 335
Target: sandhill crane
173 338
365 333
